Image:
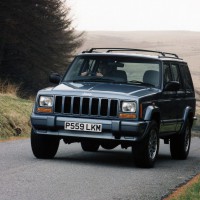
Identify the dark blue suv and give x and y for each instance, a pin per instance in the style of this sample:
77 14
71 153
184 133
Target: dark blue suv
110 97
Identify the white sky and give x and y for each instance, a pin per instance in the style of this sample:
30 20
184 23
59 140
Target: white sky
132 15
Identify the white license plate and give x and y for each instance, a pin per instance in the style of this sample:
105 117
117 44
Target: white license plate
76 126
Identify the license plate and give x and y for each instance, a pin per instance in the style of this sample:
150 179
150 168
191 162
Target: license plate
76 126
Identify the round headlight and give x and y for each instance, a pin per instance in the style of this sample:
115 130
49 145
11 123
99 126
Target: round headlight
46 101
128 107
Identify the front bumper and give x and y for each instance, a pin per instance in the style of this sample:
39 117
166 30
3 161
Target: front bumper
117 130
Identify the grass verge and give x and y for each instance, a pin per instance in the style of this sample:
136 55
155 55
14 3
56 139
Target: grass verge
14 116
189 191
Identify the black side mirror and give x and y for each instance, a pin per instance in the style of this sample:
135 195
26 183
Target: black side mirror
172 86
55 78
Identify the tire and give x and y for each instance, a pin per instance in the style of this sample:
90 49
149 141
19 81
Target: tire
145 152
44 146
90 146
180 144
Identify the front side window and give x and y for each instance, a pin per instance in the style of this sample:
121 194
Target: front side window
167 76
115 69
171 72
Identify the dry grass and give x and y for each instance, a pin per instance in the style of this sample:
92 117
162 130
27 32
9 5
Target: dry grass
14 116
6 87
14 111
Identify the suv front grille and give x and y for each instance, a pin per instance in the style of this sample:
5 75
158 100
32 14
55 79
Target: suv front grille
101 107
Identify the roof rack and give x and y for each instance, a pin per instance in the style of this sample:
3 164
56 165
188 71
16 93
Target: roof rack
163 54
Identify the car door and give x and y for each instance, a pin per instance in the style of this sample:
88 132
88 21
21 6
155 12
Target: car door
167 102
188 99
180 94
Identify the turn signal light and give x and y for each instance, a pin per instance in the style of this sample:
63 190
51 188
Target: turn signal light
127 115
44 110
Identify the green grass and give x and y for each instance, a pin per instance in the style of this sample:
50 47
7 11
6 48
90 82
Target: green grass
192 192
14 116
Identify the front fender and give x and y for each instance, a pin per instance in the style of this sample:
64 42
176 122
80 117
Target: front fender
150 110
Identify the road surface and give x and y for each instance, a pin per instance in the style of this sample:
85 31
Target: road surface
78 175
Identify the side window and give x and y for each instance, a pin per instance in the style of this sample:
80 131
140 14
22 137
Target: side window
185 73
176 74
166 73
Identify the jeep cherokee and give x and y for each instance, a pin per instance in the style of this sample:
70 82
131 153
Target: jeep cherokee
144 96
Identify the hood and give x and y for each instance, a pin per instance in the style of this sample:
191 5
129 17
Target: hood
109 88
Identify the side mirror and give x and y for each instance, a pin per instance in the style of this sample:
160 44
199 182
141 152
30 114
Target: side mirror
172 86
55 78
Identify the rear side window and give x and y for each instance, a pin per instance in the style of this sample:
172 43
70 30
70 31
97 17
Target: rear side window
185 73
176 74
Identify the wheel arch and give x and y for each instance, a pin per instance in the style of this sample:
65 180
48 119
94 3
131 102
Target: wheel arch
152 113
188 115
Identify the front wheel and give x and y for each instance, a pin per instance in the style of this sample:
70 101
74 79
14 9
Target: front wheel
44 146
145 152
180 144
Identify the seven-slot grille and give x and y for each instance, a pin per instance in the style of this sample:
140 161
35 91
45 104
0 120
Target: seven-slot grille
86 106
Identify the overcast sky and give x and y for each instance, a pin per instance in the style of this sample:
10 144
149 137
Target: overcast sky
131 15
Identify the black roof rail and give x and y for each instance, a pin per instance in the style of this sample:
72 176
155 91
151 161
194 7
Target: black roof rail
163 54
172 54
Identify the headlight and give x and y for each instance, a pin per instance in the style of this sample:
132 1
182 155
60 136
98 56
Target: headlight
46 101
129 107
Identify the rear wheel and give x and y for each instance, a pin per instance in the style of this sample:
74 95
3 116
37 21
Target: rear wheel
89 146
180 144
44 146
145 152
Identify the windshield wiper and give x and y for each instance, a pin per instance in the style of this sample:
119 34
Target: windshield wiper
100 80
140 82
93 79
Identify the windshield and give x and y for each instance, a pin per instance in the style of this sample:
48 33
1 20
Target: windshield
114 69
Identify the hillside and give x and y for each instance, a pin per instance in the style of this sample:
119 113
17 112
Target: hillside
185 44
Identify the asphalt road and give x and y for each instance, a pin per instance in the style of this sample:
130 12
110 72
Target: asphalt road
78 175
